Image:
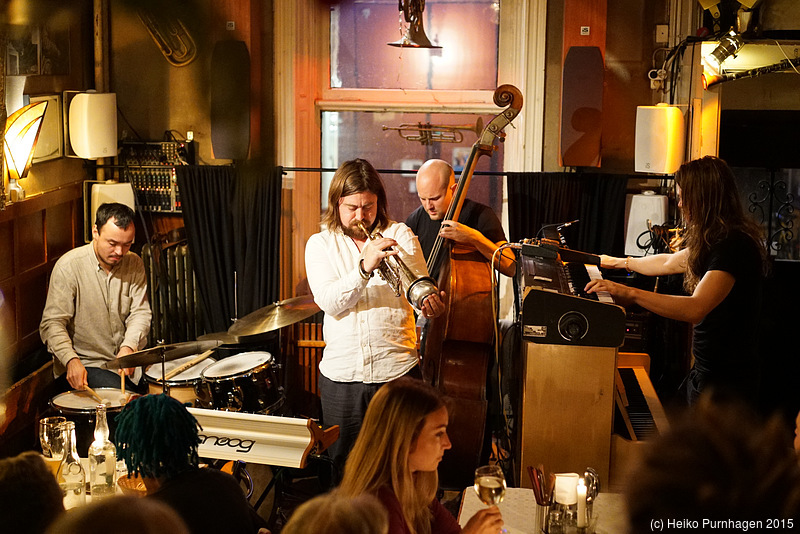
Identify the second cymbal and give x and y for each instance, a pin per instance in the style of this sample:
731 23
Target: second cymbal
275 316
154 354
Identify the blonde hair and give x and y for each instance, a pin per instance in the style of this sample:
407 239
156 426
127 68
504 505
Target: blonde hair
379 459
333 513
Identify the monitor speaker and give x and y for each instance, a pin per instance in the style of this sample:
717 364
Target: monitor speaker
92 125
660 139
641 209
97 193
230 100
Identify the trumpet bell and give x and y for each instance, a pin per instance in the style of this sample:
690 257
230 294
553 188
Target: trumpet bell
419 290
414 37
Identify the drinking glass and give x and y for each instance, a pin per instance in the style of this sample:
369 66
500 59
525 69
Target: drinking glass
52 441
490 485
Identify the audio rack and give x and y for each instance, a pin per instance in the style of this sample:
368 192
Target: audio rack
150 168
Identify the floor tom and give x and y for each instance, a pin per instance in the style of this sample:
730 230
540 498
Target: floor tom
245 382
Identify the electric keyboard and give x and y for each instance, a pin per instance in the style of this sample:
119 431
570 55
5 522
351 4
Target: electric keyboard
555 308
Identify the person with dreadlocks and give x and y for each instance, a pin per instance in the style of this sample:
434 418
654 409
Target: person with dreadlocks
157 438
723 258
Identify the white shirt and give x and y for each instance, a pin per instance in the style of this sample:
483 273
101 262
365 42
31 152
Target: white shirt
369 332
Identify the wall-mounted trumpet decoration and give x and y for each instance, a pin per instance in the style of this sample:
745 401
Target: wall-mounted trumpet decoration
413 35
427 133
171 37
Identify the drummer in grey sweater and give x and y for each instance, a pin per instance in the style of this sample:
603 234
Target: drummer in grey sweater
97 308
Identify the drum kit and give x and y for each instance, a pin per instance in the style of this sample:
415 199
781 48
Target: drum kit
244 382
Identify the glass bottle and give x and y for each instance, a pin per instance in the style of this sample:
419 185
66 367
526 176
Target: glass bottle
71 475
102 459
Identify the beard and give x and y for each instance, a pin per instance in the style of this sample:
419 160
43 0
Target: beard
354 232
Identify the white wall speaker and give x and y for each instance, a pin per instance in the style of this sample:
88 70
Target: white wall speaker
639 210
660 139
93 125
95 194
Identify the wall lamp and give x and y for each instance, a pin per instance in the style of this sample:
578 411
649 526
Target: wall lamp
727 47
21 133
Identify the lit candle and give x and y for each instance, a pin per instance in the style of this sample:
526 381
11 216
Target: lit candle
581 503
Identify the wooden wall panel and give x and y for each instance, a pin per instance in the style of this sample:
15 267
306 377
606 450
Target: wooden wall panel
59 229
7 254
25 232
8 322
29 241
33 294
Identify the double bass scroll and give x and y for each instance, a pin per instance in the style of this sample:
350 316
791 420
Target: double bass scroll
459 343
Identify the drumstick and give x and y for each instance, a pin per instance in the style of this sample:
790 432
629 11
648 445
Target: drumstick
94 395
122 381
191 363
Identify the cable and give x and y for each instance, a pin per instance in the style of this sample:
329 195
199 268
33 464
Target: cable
506 436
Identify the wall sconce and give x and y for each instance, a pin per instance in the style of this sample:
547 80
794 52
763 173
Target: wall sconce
414 35
21 133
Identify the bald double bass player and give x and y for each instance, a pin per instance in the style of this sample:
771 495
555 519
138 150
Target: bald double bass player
478 226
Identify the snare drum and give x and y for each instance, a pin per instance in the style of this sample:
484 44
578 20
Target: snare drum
79 406
245 382
184 386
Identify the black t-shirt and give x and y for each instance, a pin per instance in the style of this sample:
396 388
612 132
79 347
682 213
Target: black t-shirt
210 501
725 344
477 216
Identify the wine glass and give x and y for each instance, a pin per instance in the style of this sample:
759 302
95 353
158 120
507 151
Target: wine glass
52 440
490 485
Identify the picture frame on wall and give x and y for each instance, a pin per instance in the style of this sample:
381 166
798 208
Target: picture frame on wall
23 51
51 136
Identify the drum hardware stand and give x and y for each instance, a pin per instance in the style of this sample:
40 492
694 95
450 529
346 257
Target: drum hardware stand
164 386
235 298
281 486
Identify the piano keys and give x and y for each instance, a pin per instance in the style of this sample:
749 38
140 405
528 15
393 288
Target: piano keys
638 411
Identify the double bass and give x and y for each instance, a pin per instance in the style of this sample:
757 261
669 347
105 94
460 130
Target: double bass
458 345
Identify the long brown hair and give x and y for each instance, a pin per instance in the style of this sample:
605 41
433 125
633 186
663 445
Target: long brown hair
711 211
379 458
353 177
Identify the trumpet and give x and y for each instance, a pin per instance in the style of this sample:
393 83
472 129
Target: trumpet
429 133
400 277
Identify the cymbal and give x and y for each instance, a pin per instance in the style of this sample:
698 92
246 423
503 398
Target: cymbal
153 355
223 337
275 316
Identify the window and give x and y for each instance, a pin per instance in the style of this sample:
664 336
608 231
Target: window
467 32
385 126
391 140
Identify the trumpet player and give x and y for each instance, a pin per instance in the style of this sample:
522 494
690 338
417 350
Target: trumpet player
369 331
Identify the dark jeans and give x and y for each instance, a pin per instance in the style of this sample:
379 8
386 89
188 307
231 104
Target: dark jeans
344 404
103 378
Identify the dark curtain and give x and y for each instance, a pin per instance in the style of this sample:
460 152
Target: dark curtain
256 227
233 228
206 198
596 200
